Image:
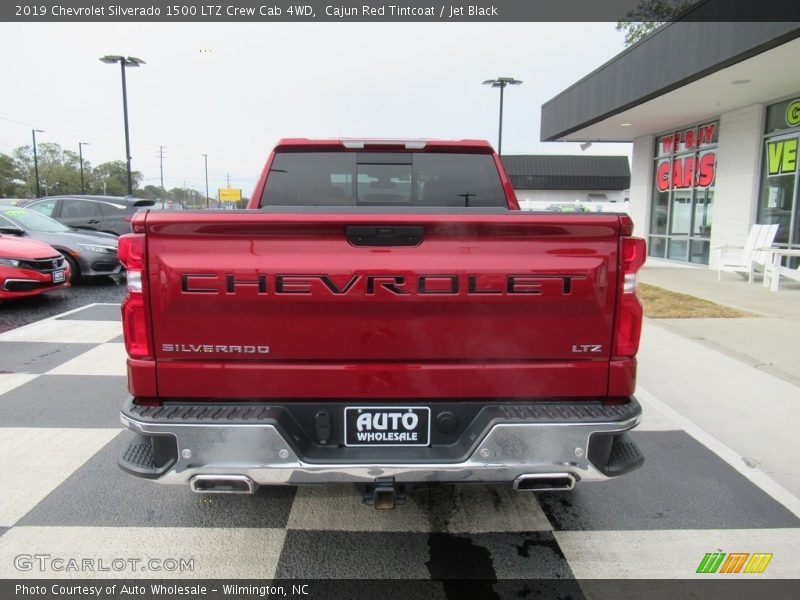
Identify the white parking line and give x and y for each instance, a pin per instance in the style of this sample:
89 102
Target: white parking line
17 332
194 552
469 509
105 359
65 332
35 461
753 474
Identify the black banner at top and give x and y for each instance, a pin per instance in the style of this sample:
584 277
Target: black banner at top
393 10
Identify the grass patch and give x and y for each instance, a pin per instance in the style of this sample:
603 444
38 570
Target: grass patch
665 304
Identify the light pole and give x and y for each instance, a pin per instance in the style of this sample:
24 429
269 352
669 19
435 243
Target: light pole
80 154
501 82
36 160
205 157
123 61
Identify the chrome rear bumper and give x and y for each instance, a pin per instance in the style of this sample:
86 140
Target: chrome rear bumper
257 452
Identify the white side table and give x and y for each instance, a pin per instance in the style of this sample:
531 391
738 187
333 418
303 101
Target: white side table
773 269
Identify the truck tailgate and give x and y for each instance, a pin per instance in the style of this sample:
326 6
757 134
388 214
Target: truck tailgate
255 305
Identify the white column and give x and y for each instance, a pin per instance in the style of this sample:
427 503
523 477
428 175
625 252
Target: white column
737 179
641 184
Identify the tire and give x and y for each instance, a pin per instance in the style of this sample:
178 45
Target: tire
75 270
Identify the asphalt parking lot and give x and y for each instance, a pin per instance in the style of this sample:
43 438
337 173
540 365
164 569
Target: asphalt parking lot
63 381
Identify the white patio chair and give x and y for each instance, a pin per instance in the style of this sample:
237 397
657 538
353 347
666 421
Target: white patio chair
745 259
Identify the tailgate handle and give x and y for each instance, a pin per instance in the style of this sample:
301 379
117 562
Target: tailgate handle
385 235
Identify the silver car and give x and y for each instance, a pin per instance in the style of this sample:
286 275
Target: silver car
111 214
89 253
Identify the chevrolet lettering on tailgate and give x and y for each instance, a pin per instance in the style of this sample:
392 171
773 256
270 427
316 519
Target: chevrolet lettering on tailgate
400 285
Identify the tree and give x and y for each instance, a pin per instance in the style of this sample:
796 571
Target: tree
59 170
648 16
111 178
60 173
153 192
12 181
23 158
187 198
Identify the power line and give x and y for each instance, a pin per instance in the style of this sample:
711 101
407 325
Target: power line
105 141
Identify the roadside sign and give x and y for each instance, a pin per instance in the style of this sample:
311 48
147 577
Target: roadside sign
229 194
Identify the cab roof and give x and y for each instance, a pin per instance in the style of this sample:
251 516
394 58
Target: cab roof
387 144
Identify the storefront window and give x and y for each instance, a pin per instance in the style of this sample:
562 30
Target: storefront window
683 194
658 216
780 181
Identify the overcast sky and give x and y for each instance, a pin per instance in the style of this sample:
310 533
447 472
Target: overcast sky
232 90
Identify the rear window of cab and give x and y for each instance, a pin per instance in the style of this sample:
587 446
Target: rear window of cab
383 179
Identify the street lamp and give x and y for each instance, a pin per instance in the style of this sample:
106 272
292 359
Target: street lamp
205 157
123 61
36 160
501 82
80 153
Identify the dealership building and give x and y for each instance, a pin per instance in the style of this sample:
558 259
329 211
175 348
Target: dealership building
713 112
543 181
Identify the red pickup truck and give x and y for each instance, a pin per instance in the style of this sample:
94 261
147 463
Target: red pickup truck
383 314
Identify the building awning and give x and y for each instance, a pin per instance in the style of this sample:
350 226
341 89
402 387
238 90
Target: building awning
566 172
685 72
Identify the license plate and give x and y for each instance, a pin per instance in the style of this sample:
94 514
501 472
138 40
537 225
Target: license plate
58 276
387 426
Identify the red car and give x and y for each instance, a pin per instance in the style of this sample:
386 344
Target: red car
29 267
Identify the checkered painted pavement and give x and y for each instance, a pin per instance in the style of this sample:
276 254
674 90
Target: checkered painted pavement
62 381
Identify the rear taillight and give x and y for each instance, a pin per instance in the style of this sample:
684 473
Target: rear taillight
134 311
629 309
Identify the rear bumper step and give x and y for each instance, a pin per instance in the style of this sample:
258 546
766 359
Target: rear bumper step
234 449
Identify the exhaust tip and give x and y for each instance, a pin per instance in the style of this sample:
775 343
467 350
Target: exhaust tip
222 484
545 482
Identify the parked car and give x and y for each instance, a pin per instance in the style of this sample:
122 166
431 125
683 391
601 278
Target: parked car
29 267
110 214
89 253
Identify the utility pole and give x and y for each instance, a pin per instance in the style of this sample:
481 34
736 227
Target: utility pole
161 162
36 161
228 178
205 157
80 153
186 196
